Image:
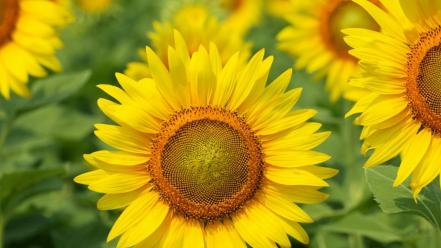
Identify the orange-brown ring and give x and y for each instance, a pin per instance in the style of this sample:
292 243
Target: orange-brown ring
9 11
420 108
325 33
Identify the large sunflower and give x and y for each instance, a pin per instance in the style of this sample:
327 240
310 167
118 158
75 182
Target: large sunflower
314 38
198 26
28 42
401 114
207 154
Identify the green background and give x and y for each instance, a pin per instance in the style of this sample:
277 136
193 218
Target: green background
42 142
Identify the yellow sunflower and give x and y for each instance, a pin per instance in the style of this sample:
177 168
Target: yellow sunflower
198 26
207 154
401 114
280 8
314 38
242 15
94 6
28 42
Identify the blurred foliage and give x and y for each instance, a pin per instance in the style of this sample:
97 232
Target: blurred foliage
42 141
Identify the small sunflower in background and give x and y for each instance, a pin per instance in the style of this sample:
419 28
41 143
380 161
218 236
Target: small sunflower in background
28 41
401 114
280 8
314 38
198 26
242 15
207 154
94 6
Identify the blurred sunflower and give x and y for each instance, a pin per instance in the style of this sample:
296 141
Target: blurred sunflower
207 154
402 112
280 8
314 37
198 26
94 6
28 42
242 15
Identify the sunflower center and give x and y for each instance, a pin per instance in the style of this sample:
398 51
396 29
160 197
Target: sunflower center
9 10
206 162
424 79
341 14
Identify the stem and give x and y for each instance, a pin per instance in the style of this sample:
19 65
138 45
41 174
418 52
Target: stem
4 132
437 236
354 177
2 229
3 135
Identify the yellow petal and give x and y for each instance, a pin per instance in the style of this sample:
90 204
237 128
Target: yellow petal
284 208
115 183
249 232
90 177
294 177
115 201
134 213
293 119
412 155
291 159
194 236
124 139
151 221
298 194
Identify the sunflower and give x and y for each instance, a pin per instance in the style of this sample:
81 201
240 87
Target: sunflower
401 114
207 154
198 26
280 8
314 37
28 42
94 6
242 15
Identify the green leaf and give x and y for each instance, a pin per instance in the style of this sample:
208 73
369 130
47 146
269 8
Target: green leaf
365 225
54 89
14 185
399 199
59 122
324 239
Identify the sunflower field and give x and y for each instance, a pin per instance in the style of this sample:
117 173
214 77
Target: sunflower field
220 123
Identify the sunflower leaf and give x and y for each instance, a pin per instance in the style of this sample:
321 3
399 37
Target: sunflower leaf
53 89
398 200
365 225
19 185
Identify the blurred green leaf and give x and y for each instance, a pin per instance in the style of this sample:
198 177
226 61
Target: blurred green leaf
399 199
54 89
57 121
365 225
325 239
25 226
16 184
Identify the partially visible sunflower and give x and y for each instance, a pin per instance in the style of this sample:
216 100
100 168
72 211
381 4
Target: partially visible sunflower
198 26
401 114
314 38
280 8
94 6
242 15
207 154
28 41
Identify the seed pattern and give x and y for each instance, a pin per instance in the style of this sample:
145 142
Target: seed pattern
206 162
